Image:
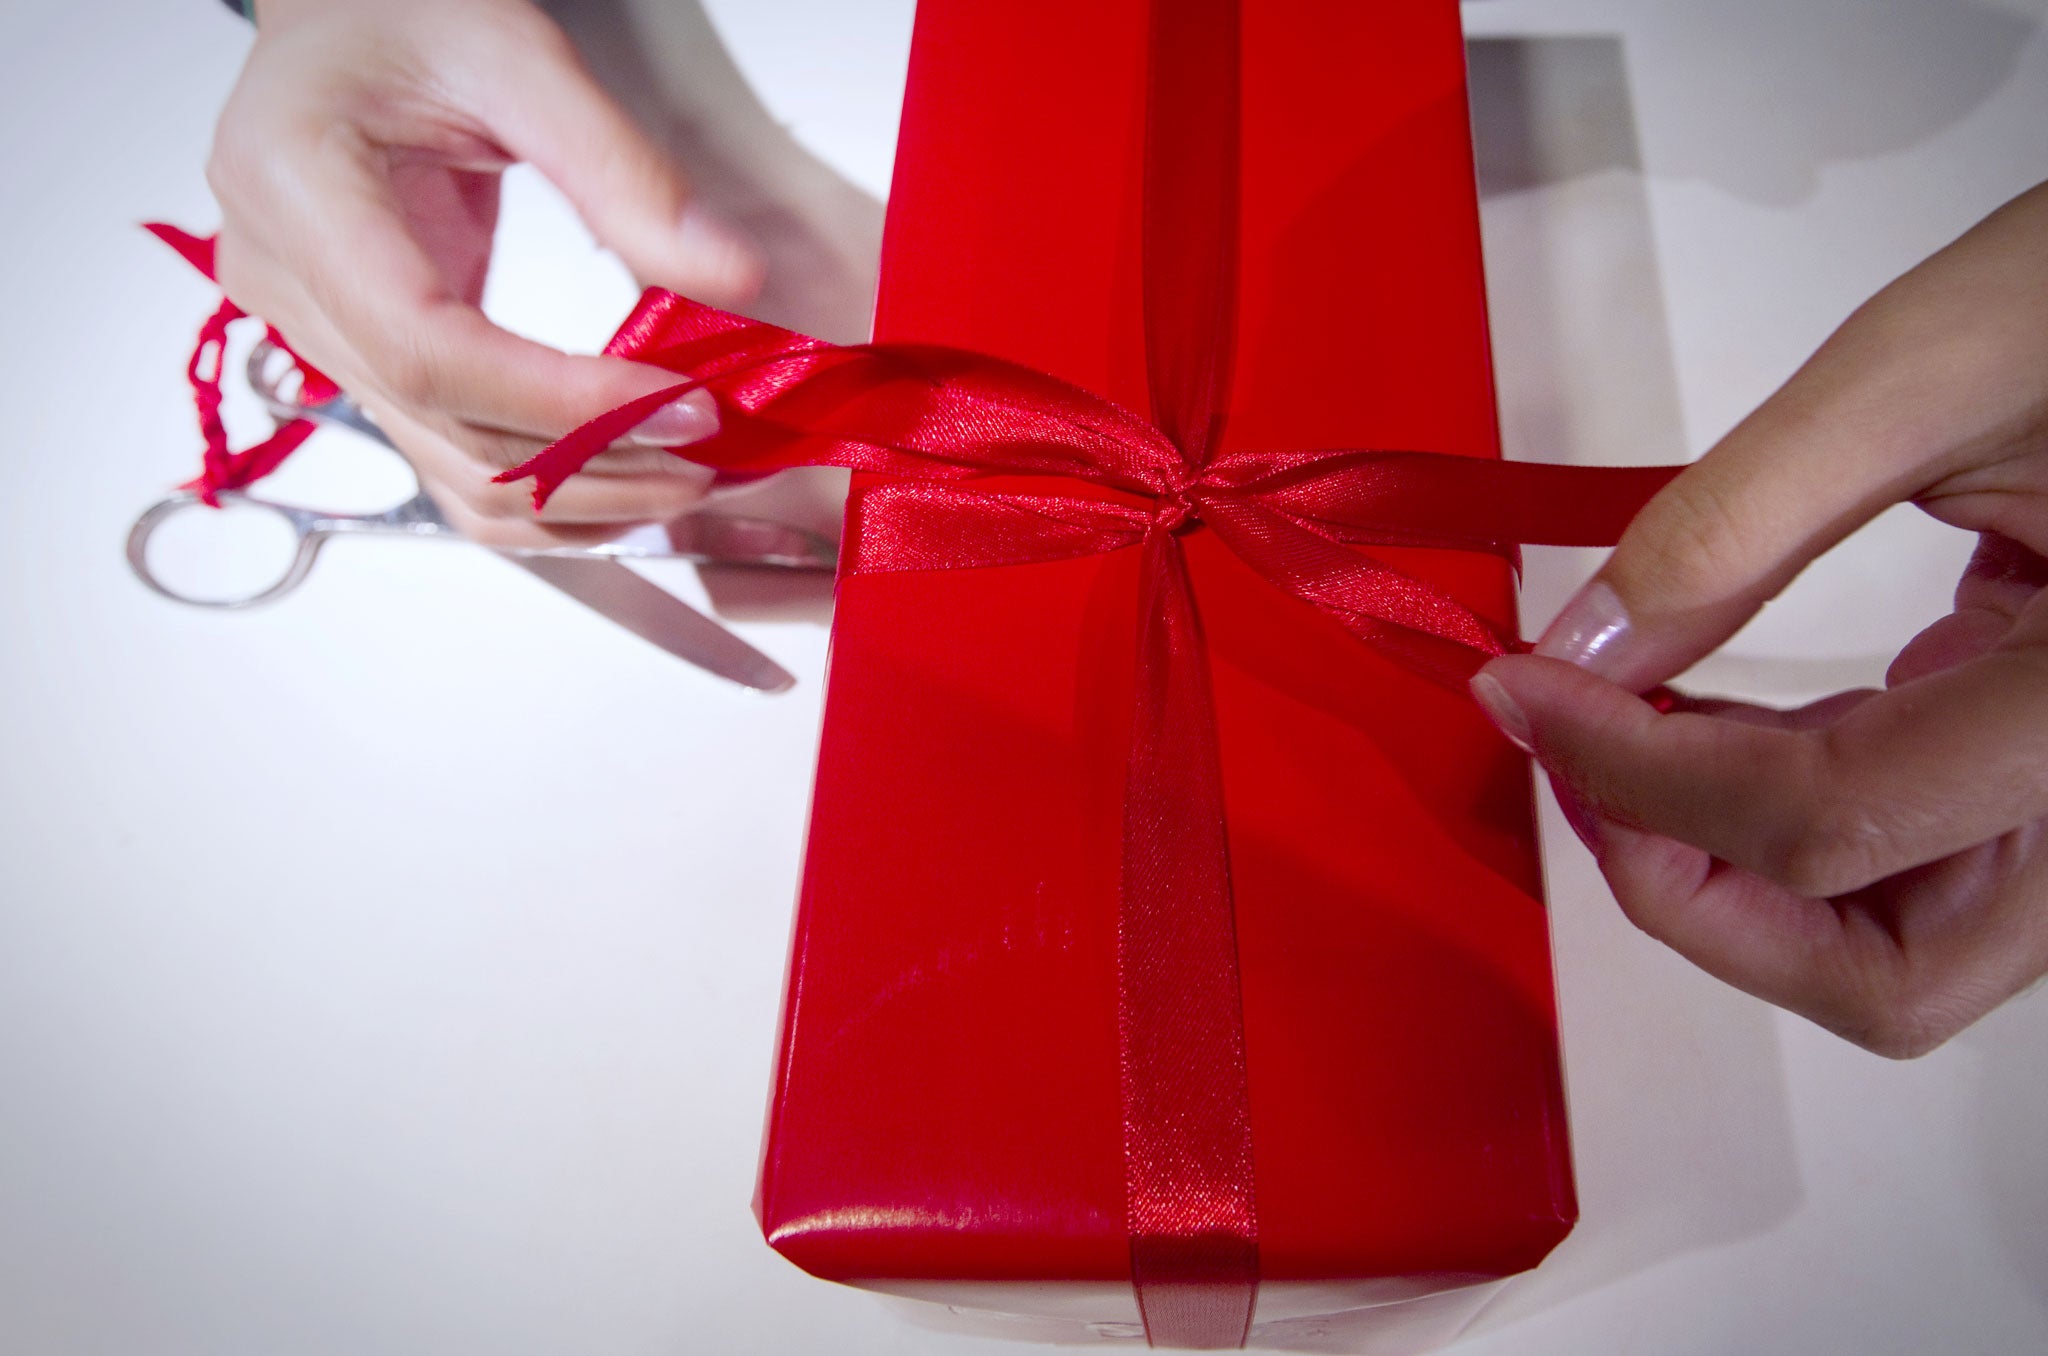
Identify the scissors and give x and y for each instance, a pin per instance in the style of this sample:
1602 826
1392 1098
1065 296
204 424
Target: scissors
593 575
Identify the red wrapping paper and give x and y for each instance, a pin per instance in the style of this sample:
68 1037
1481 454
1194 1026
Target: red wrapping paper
947 1118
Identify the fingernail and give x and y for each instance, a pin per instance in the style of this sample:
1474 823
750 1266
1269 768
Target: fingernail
689 418
1501 709
1591 632
719 253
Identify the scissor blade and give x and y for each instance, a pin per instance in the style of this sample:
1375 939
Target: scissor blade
658 617
722 540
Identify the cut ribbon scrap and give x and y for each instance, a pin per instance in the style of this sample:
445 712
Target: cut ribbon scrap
221 468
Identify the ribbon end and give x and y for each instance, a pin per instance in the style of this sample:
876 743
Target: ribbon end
195 250
545 481
1196 1293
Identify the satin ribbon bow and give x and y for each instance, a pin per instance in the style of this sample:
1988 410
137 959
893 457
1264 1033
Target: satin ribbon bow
935 422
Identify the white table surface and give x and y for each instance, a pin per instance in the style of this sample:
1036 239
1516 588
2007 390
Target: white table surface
395 970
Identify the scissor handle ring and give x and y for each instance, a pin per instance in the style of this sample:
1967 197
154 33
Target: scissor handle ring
295 571
267 378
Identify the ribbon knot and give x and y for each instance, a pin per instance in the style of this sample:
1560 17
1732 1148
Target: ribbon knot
1175 510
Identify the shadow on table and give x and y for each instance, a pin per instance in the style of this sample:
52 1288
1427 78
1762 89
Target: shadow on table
1774 93
1683 1138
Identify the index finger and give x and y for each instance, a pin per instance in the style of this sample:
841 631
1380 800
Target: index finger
425 346
1935 374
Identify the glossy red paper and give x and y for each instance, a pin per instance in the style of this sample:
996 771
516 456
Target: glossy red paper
947 1103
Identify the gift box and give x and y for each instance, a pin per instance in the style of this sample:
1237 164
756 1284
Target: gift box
1028 1065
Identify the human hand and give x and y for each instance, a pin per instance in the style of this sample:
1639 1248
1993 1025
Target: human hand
357 165
1877 861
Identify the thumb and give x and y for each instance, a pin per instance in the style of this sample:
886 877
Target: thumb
1873 418
628 190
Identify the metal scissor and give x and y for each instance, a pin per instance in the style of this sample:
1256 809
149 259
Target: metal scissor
593 575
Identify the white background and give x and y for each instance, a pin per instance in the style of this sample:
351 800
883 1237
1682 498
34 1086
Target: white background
395 970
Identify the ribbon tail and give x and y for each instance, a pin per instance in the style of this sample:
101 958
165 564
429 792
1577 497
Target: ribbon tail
1416 625
234 470
196 250
1460 499
1187 1115
1441 500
